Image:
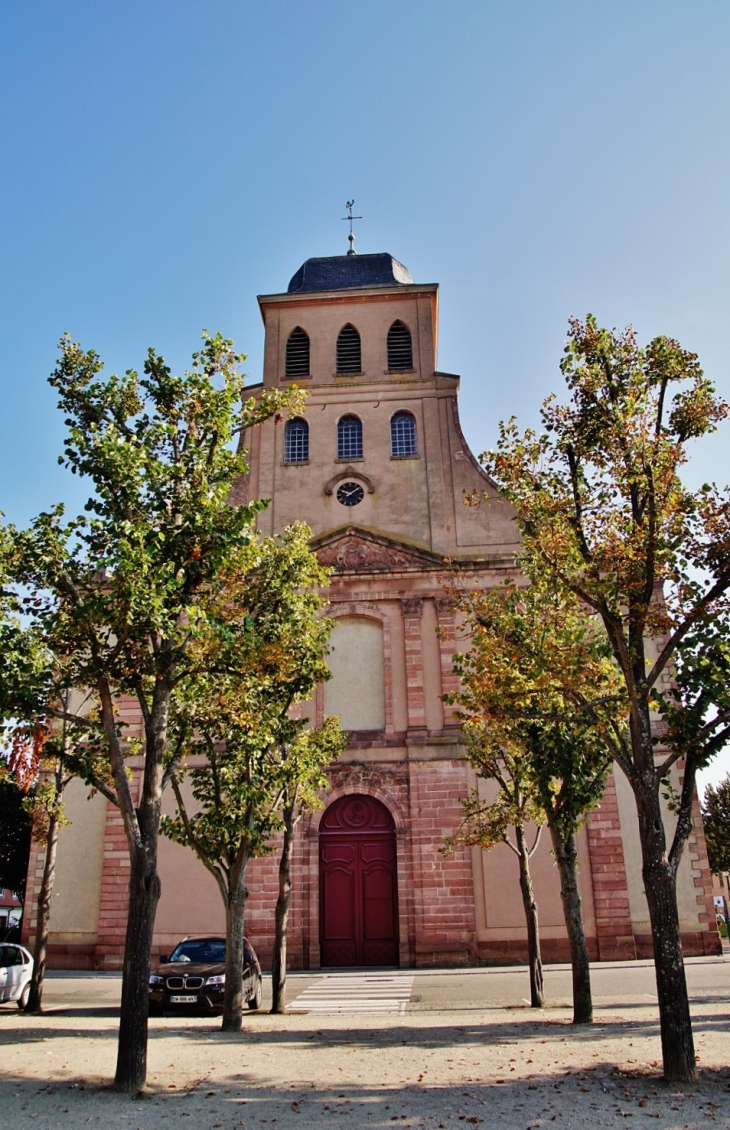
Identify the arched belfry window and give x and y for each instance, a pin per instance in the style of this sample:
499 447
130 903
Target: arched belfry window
296 441
400 348
297 353
349 438
349 358
403 434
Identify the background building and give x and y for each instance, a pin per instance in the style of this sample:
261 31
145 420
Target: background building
11 911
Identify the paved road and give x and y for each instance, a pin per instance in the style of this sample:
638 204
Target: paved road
624 984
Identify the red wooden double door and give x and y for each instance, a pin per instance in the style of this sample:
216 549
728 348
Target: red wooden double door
358 889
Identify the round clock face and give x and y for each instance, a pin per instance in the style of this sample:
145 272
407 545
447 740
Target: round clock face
349 494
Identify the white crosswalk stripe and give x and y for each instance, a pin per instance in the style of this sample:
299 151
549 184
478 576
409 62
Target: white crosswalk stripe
356 992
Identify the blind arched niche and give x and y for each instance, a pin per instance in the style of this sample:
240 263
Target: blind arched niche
356 690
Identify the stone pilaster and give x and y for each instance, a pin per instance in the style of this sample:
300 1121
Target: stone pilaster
412 611
109 949
447 639
706 940
614 931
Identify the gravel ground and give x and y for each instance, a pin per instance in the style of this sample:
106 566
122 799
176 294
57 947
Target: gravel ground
508 1067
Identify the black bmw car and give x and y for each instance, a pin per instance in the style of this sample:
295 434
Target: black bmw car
193 976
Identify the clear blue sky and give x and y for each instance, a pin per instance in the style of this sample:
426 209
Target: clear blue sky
166 161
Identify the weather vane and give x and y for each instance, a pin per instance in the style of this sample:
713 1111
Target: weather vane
349 217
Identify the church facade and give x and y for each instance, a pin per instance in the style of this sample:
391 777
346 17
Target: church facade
379 469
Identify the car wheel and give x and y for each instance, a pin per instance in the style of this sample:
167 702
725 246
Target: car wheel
155 1009
255 1001
23 998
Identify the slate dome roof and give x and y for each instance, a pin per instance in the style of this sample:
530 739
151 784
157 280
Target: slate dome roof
345 272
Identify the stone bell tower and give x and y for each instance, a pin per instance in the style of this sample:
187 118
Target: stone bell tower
380 446
378 468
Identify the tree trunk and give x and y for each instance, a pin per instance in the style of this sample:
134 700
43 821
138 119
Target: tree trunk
537 997
144 895
142 828
566 857
678 1051
278 965
235 908
40 950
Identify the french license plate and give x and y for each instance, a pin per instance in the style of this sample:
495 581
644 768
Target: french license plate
184 999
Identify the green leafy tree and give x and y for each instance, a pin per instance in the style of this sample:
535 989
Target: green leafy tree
26 666
600 501
31 684
300 769
39 771
695 709
262 652
48 816
716 816
487 822
117 595
539 676
14 836
45 755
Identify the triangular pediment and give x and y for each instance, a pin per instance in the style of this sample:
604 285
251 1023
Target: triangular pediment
356 550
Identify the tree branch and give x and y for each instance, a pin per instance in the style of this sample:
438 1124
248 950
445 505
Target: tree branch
116 756
720 586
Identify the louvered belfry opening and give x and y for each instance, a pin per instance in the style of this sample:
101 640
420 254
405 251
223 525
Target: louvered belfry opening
400 348
297 353
348 351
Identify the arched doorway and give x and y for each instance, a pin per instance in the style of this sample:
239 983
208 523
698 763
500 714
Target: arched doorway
357 884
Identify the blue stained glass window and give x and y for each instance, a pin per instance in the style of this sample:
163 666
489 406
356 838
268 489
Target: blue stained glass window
349 438
296 441
403 434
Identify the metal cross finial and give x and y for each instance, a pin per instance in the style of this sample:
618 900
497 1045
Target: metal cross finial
349 217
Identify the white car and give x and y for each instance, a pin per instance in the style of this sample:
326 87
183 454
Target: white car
16 970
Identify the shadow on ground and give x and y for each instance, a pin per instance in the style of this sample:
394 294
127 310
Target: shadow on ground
541 1024
599 1096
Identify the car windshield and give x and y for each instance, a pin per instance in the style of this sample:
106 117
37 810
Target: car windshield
209 950
11 955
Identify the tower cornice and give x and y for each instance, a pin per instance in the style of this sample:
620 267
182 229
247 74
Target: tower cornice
343 297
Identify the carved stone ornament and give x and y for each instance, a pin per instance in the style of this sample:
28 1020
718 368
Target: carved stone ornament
355 554
412 605
349 473
356 813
